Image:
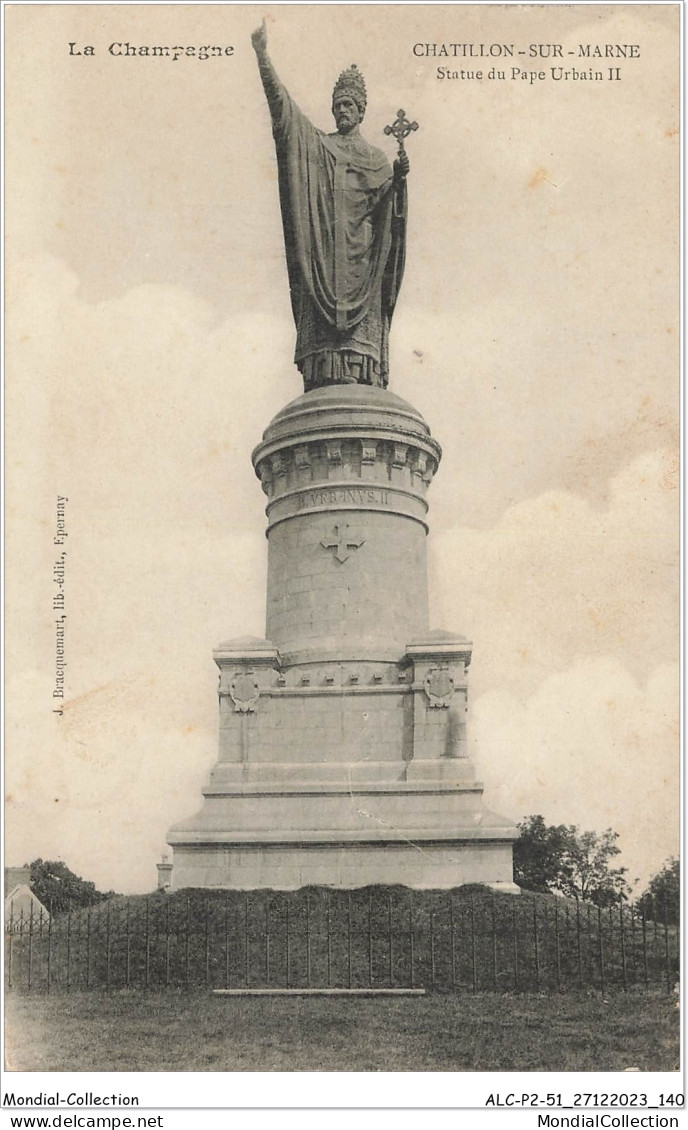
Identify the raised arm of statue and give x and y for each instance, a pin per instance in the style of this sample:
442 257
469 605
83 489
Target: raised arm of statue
279 102
259 39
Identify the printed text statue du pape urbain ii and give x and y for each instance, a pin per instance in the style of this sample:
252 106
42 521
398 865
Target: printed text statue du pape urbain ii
344 218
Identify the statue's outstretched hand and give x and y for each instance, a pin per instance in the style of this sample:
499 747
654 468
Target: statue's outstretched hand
402 165
259 39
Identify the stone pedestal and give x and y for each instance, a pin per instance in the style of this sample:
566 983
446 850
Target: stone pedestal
343 754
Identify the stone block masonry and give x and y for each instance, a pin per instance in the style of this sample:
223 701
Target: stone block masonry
342 753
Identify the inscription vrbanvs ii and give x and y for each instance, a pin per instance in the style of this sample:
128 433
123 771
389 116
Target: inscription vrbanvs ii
364 496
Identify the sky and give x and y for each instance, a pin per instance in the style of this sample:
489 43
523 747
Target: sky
150 342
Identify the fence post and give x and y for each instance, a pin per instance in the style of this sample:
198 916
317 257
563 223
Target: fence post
187 930
107 948
308 940
329 940
21 942
227 942
580 952
567 920
77 947
44 920
9 956
666 945
127 969
623 947
432 945
473 953
288 948
391 940
50 936
30 947
127 935
678 933
645 964
207 943
655 917
167 943
69 942
601 943
370 939
514 924
267 940
453 939
88 948
557 945
40 934
537 947
411 945
348 934
494 944
147 971
247 943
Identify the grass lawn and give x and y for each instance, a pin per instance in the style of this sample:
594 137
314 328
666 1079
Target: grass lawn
194 1031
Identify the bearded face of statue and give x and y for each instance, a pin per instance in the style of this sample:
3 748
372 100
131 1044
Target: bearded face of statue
346 113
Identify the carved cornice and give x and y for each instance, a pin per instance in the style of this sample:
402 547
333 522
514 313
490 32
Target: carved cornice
289 466
247 652
323 443
447 650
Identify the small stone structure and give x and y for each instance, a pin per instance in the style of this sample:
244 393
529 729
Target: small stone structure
164 874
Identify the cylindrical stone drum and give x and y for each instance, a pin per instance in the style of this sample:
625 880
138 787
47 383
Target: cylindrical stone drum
346 470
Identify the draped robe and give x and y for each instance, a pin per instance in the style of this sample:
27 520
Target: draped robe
344 221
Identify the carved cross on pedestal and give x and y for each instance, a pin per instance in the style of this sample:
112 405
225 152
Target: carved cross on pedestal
341 543
401 127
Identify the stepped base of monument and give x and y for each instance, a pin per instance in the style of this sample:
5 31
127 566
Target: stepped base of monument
417 863
426 830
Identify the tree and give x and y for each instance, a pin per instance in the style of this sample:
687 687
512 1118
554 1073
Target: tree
538 854
57 887
549 857
663 894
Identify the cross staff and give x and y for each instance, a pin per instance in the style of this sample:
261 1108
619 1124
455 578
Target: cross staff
401 127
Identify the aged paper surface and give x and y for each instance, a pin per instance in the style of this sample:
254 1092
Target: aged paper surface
150 341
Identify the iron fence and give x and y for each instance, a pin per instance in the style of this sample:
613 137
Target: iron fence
437 940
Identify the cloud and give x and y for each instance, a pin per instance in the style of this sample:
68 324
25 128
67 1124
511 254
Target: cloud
574 684
557 578
590 746
99 786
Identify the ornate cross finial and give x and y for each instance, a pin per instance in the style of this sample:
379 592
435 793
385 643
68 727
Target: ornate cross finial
401 127
342 542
